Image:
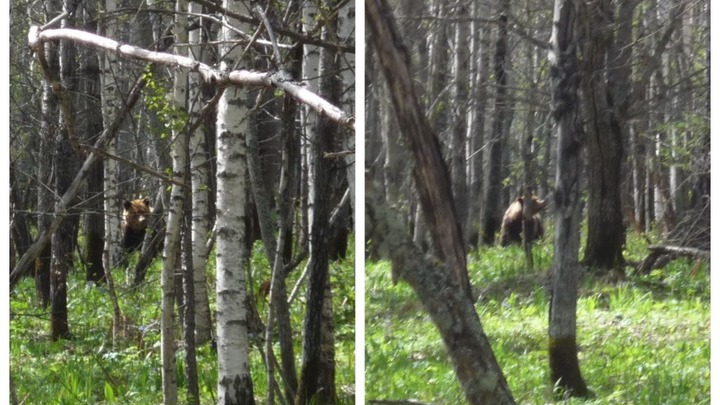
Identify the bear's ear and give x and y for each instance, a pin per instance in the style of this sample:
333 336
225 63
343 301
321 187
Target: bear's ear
127 204
147 202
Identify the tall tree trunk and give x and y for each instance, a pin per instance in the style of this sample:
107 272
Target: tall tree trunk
317 374
50 131
481 66
200 192
443 288
278 309
191 372
173 231
605 72
93 125
311 71
496 173
458 167
110 105
64 167
234 381
565 75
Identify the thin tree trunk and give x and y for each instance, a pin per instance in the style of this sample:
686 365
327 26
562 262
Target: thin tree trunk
63 168
191 372
200 192
317 375
173 231
481 67
94 221
458 167
49 129
278 309
110 104
493 189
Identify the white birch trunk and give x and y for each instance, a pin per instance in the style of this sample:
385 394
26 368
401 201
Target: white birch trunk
172 235
345 33
199 171
310 69
234 382
110 101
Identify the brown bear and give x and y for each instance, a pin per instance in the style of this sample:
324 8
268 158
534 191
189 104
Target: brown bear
511 229
135 218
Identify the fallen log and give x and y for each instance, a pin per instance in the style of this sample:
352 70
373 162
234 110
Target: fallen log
661 255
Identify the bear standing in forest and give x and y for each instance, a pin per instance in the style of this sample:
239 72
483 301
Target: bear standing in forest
135 218
512 223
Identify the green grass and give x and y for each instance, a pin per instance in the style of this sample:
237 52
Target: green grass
87 369
642 341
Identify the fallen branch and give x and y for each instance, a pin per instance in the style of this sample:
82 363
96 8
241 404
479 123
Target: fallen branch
280 80
661 255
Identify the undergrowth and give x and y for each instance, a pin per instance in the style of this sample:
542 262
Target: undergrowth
644 340
89 369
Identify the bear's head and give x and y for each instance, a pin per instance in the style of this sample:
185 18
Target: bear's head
134 222
535 205
136 214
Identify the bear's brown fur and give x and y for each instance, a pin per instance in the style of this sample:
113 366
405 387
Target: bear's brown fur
511 229
135 218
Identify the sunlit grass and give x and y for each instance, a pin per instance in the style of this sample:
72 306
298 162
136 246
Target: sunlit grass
88 369
642 341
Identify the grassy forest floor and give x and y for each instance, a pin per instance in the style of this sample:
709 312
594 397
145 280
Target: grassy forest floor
88 369
645 340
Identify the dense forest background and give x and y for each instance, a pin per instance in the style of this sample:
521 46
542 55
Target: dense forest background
235 120
599 108
484 75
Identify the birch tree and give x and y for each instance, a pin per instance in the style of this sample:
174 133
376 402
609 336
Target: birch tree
200 190
171 253
234 381
110 104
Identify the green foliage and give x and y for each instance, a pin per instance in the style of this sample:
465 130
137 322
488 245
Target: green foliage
645 340
88 369
155 94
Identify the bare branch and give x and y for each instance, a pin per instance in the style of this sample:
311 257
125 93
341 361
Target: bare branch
280 80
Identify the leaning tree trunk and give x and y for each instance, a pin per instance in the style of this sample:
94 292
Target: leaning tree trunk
234 381
564 367
441 284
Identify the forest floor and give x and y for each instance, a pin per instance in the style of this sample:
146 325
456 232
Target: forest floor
643 340
89 369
